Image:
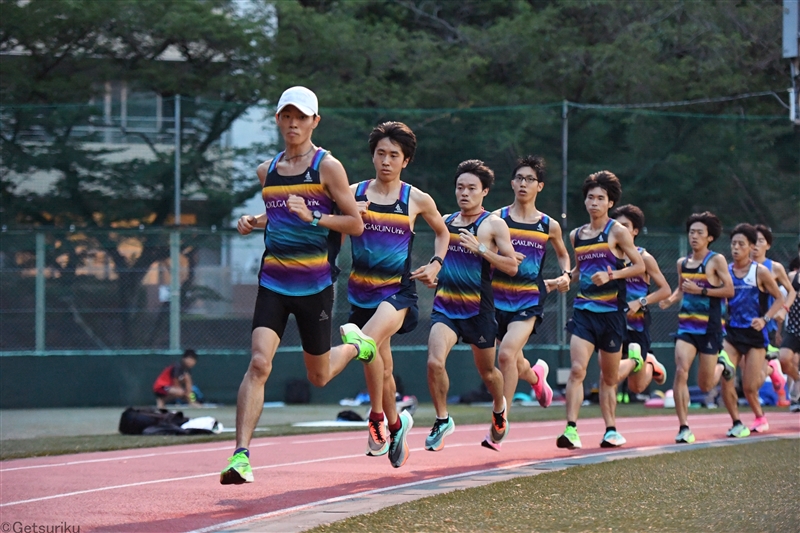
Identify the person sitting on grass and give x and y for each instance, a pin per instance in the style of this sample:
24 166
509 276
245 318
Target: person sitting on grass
175 381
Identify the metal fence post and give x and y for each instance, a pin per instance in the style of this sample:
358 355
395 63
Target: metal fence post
40 292
175 290
562 297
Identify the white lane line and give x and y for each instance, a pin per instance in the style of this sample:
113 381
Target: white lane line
264 467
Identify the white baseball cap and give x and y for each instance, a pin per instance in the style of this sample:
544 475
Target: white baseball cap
300 97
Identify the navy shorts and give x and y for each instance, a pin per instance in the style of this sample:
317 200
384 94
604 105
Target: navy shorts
745 339
312 313
504 318
405 299
707 343
479 330
605 330
791 342
642 338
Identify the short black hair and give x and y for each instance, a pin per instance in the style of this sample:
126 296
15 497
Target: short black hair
765 231
710 220
607 181
535 162
478 168
749 231
190 353
632 213
398 133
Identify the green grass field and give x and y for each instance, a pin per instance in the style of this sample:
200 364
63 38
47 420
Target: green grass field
740 488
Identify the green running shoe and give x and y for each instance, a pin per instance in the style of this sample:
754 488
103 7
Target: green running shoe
685 436
238 470
352 334
441 428
738 431
635 354
570 439
728 368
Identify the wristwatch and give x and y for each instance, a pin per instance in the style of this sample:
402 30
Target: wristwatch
437 259
317 215
704 292
643 302
482 249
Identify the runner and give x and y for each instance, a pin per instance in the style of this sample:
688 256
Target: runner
598 319
301 235
746 331
790 347
464 305
381 288
638 364
519 299
703 284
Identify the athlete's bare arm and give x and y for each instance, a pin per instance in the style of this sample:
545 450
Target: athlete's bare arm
677 295
574 274
424 205
247 223
334 178
663 291
562 256
494 235
623 241
766 283
717 268
783 280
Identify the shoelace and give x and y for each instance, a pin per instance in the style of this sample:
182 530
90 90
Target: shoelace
437 426
499 421
375 430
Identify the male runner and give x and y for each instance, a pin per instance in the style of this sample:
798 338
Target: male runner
773 370
519 299
638 364
746 330
790 347
300 186
598 319
381 288
464 305
703 284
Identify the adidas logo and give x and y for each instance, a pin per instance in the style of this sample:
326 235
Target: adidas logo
398 209
394 297
481 339
524 313
308 177
611 344
601 238
323 316
472 230
539 227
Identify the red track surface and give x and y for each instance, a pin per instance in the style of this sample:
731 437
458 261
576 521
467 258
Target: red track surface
177 488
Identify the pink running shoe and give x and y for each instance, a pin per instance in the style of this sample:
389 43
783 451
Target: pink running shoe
543 392
659 371
760 425
777 377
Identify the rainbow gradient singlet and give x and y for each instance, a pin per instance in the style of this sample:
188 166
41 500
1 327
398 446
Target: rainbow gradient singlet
298 258
699 314
637 288
594 255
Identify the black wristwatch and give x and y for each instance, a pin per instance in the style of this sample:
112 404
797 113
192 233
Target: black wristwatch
437 259
704 292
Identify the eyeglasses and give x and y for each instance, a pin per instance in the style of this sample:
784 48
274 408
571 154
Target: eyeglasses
527 179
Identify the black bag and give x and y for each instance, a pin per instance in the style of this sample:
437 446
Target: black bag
135 420
298 391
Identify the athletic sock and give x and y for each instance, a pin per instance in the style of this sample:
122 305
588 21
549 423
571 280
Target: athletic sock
376 417
445 419
358 348
682 428
394 428
572 424
737 422
611 428
242 450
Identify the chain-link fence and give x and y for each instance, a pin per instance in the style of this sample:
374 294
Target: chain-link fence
90 291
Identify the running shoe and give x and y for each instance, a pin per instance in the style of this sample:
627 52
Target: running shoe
659 370
398 445
499 428
635 354
238 470
777 378
728 368
542 390
760 425
684 436
488 443
570 439
772 353
738 431
376 442
783 401
352 334
612 439
795 406
441 429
